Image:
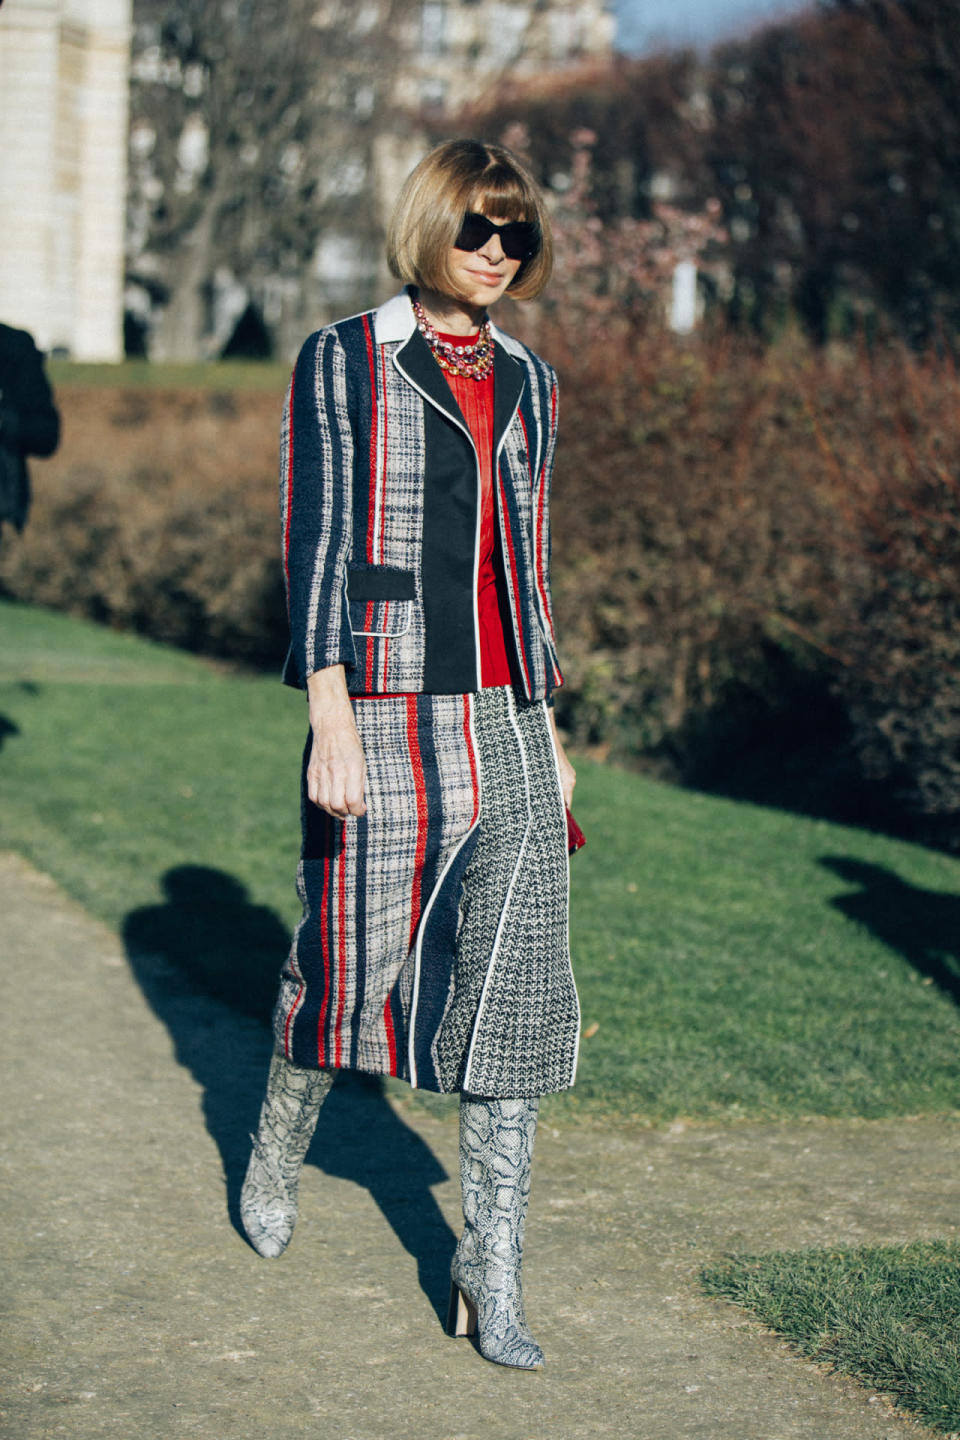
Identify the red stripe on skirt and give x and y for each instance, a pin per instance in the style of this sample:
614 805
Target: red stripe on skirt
341 946
391 1037
324 913
290 1014
413 747
468 736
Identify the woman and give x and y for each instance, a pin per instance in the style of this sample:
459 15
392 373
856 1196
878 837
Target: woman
29 421
417 449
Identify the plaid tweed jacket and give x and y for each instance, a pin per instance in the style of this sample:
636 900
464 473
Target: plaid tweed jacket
379 494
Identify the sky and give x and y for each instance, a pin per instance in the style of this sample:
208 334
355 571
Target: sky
645 25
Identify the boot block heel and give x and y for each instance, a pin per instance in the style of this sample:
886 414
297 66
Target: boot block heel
461 1313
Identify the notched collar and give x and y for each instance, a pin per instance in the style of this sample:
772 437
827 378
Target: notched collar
395 321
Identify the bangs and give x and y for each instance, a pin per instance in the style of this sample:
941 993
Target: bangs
500 193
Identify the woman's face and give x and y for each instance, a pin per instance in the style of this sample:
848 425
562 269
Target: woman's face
481 276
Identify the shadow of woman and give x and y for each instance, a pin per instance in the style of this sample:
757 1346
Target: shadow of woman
8 728
924 925
207 961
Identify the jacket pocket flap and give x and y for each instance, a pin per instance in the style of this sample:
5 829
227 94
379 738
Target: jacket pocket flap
380 582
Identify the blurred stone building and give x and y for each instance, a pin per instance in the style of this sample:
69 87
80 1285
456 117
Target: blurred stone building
457 50
267 142
64 68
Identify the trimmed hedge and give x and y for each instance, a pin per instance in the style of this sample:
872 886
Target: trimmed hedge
159 515
743 531
738 533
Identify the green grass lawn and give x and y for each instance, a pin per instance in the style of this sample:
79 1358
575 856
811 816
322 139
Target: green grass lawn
889 1315
213 375
736 962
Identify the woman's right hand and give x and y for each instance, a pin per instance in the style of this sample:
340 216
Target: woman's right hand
337 769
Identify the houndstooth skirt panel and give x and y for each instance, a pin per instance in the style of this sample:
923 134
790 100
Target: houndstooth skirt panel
434 939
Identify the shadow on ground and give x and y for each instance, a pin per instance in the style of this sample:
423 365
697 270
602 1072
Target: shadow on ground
924 925
8 728
207 961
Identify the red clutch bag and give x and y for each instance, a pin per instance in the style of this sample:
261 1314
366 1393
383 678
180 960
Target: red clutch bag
575 836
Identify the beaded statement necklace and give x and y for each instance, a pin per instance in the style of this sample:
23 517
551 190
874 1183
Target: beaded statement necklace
474 362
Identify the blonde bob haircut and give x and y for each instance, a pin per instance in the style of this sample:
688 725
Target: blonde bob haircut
458 177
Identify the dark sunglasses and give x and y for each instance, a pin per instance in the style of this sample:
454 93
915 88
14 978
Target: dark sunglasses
520 239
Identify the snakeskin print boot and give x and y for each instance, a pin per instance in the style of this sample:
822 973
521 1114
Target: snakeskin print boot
268 1200
496 1148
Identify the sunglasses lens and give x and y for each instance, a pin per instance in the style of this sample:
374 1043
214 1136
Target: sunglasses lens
474 232
520 239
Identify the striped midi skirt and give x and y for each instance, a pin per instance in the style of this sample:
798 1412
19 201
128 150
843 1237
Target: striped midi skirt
434 942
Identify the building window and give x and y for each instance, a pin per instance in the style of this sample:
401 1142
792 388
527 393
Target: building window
565 34
366 17
433 28
347 176
507 32
433 93
363 98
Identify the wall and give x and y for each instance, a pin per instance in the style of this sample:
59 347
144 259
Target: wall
64 68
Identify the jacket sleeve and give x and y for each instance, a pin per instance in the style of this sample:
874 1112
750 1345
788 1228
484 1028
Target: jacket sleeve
543 548
316 477
29 421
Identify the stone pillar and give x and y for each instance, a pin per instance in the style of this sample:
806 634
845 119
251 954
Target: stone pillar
102 181
29 55
64 67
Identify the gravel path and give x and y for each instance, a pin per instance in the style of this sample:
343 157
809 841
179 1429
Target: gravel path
134 1308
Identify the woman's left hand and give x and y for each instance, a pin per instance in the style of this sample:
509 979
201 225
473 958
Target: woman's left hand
568 776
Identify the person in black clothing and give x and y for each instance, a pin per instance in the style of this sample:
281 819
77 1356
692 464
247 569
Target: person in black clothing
29 422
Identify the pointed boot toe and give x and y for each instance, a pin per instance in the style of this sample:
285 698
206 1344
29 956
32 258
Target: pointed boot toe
268 1198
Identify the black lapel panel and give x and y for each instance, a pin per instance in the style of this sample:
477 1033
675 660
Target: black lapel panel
450 501
508 382
415 359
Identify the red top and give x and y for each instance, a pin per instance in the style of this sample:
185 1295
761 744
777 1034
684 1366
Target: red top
475 398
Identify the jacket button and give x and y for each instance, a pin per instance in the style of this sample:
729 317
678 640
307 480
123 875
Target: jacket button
522 456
